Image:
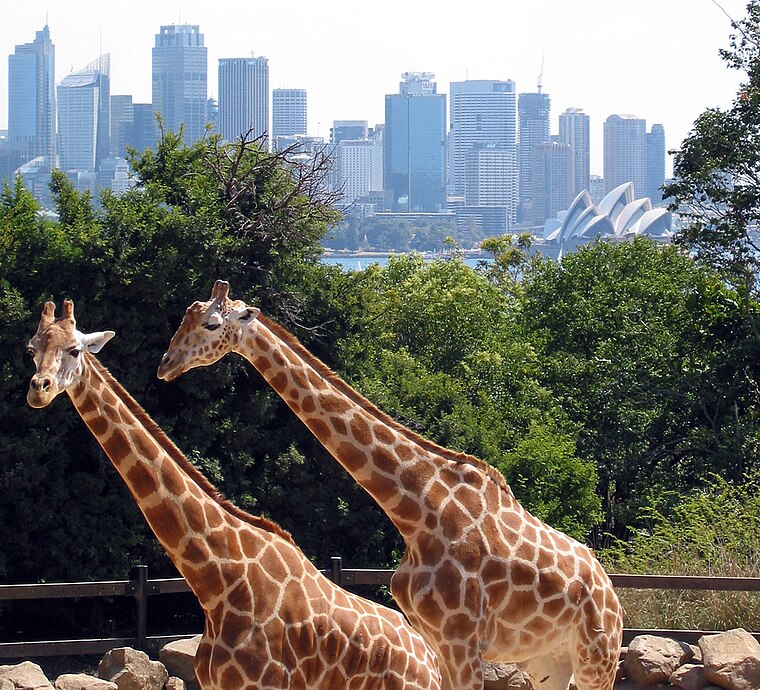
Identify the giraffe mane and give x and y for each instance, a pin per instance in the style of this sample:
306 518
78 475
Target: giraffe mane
159 435
352 394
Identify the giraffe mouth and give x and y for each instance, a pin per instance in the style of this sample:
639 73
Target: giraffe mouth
169 370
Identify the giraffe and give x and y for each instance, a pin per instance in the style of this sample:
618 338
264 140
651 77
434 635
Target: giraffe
272 620
482 578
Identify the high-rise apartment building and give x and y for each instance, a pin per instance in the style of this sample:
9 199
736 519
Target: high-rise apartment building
491 178
243 97
625 153
288 112
122 124
482 115
180 79
575 131
414 145
655 164
533 129
358 168
84 106
31 99
552 179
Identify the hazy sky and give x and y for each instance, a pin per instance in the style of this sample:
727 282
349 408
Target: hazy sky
656 59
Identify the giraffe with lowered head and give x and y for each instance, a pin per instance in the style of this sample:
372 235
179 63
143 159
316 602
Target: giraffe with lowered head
482 578
273 621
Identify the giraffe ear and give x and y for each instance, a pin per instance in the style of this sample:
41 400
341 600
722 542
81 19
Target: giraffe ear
246 314
94 341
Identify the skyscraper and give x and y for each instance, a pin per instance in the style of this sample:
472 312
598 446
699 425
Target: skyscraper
348 129
414 145
575 131
243 97
625 153
552 178
31 99
481 112
358 168
179 79
491 178
288 112
533 129
122 124
655 172
84 106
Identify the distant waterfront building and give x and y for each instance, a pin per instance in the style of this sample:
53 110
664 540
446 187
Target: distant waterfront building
243 97
575 131
289 114
533 129
552 178
122 124
84 106
358 168
490 179
414 152
180 62
655 163
482 112
348 129
625 152
31 100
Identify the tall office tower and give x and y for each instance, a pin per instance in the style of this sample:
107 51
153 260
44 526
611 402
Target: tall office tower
655 166
575 131
348 129
481 112
84 106
414 145
625 153
179 79
243 97
533 129
144 134
31 99
491 178
288 112
553 179
358 168
122 124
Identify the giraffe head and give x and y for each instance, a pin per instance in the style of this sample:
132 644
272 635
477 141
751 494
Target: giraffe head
56 348
209 330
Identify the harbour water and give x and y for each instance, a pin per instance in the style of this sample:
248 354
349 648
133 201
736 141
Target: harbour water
353 262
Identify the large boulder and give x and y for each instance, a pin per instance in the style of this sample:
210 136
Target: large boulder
652 659
24 676
504 677
732 660
81 681
689 677
131 669
179 659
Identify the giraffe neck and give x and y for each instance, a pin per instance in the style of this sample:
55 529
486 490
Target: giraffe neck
403 472
204 536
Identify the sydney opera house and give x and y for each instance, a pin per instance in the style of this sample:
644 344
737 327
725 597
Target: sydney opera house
618 216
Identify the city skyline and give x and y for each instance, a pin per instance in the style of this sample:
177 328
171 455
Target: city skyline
659 63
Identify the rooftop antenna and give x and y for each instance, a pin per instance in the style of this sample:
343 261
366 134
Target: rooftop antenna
541 72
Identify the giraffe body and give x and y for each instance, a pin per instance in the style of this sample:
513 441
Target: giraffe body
482 579
273 621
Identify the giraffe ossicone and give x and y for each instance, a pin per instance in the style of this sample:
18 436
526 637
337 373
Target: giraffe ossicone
482 578
273 620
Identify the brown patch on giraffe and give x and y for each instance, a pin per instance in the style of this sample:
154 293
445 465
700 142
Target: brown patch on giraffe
539 626
547 560
308 405
408 509
99 426
493 569
467 552
383 434
435 494
239 597
384 460
522 603
333 403
231 678
294 394
167 522
473 594
315 380
448 584
380 487
279 382
108 397
117 445
550 582
262 343
428 610
279 359
339 425
522 573
431 521
458 627
525 552
274 675
453 521
360 430
405 451
173 479
299 377
213 515
319 428
235 629
431 546
193 510
208 581
141 479
232 572
87 406
416 475
195 552
352 456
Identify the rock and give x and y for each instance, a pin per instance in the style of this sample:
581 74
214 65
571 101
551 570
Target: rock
174 683
630 685
689 677
25 676
131 669
81 681
6 684
653 659
732 660
504 677
179 659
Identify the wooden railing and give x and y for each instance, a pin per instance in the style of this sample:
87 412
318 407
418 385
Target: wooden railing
140 588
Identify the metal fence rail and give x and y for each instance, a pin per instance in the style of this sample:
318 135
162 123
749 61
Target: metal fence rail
140 588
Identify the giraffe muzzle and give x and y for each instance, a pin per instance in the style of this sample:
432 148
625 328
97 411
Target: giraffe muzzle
41 391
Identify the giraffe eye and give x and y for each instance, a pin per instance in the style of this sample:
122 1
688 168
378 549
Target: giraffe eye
212 326
74 353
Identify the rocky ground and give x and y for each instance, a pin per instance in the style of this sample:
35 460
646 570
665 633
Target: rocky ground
727 661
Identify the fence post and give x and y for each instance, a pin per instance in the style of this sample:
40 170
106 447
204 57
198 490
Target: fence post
336 569
139 577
